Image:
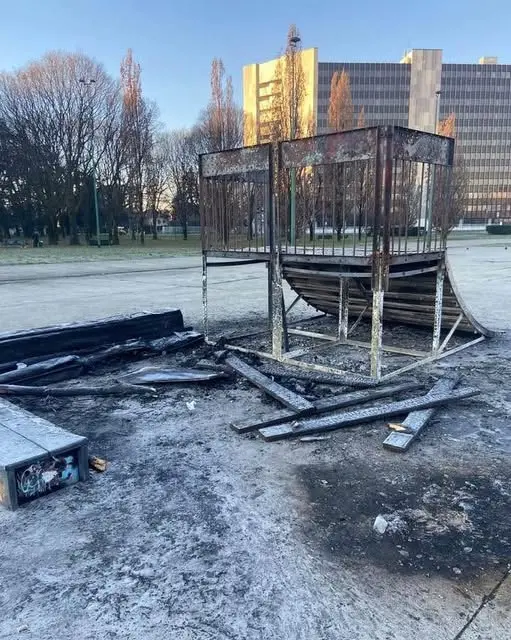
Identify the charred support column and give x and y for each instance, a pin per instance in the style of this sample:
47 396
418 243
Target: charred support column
377 321
205 294
275 291
343 308
439 293
381 243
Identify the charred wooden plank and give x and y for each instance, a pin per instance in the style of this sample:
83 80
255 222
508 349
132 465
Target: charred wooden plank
324 405
288 398
415 422
88 335
344 380
350 418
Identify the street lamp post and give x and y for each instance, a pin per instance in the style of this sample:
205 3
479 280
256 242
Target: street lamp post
437 112
293 42
431 178
89 82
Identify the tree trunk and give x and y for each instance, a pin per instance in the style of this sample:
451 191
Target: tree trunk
155 232
184 224
311 231
53 236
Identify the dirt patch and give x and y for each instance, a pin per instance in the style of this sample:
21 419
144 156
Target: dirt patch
453 522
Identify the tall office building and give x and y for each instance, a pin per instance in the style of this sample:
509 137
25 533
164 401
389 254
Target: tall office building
414 93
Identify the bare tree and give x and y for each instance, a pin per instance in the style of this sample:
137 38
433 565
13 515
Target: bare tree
450 188
221 123
51 122
340 106
158 170
182 149
286 117
139 123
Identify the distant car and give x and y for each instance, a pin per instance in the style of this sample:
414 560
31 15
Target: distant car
122 231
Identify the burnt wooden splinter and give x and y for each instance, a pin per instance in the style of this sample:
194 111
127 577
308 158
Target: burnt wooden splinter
288 398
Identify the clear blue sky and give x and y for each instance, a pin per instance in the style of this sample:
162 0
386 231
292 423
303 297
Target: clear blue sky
174 41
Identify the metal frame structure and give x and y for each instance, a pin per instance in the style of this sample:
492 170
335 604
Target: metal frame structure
245 196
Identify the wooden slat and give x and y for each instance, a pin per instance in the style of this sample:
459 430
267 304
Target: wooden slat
326 404
415 422
308 426
286 396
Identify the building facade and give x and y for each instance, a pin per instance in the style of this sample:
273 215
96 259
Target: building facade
417 92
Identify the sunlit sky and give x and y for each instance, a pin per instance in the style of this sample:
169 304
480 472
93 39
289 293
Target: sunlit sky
175 41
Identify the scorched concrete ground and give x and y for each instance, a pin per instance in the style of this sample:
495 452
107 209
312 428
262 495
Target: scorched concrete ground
195 532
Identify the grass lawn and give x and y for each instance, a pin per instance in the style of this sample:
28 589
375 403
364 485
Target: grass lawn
161 248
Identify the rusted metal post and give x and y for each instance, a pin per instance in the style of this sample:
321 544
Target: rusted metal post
381 252
439 292
205 320
275 294
377 321
276 311
343 309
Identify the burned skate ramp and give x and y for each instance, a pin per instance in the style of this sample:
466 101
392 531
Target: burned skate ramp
410 298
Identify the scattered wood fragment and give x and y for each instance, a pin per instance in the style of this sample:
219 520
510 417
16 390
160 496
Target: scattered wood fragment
404 433
98 464
50 370
114 390
89 335
288 398
325 405
279 370
350 418
396 427
167 375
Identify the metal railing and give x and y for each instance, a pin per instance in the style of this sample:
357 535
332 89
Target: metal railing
373 190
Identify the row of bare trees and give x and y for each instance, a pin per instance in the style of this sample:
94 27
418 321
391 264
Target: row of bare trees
68 130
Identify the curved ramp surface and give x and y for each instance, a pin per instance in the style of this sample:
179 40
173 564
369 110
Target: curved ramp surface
410 298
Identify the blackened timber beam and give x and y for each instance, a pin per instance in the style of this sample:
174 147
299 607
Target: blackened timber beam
350 418
415 422
324 405
288 398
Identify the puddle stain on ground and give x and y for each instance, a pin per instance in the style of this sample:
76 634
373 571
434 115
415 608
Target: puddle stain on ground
454 523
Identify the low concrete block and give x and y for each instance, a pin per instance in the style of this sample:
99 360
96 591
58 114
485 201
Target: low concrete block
36 456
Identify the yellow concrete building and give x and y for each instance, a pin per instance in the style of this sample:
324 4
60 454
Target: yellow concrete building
261 83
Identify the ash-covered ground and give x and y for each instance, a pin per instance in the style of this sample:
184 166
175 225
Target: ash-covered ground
195 532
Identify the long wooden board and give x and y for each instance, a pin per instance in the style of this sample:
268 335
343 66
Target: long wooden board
415 422
70 338
324 405
288 398
350 418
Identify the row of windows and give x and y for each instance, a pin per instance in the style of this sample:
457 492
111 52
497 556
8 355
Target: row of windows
368 80
399 111
483 152
480 107
480 138
500 124
471 91
369 122
396 67
464 100
371 92
477 73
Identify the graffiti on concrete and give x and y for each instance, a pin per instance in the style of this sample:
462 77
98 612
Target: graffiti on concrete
45 476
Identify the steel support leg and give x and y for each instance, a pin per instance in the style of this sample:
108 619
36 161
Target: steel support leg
205 295
343 309
276 310
376 331
439 293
